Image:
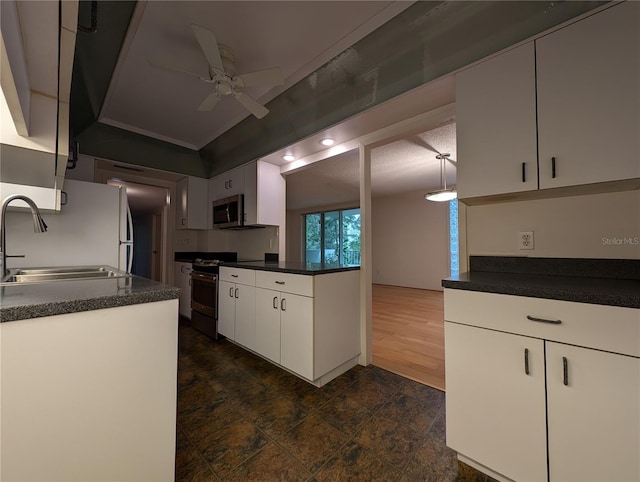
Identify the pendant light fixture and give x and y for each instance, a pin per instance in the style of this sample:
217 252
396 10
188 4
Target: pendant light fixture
444 194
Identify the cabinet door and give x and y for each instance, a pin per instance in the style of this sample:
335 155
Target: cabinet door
226 309
268 324
495 410
589 98
296 334
496 125
182 279
197 203
245 315
182 187
235 181
594 418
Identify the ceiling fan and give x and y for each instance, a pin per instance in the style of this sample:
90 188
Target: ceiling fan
222 74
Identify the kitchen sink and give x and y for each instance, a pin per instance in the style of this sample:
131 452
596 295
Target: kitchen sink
61 273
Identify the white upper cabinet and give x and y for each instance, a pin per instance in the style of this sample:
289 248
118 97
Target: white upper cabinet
36 61
560 111
263 188
191 206
228 183
264 194
496 125
589 99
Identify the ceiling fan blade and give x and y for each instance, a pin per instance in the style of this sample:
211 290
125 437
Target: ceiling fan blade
209 46
209 102
174 69
262 77
251 105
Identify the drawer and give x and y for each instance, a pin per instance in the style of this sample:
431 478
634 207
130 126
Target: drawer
238 275
297 284
609 328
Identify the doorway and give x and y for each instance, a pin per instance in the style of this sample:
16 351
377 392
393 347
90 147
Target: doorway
149 193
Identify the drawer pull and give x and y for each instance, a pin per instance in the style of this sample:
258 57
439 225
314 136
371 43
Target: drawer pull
279 282
275 302
542 320
565 371
526 361
234 275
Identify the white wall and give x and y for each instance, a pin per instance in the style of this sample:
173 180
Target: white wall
591 226
248 243
410 241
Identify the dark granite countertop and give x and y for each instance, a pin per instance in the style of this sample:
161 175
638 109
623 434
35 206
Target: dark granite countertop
293 267
24 301
191 256
601 282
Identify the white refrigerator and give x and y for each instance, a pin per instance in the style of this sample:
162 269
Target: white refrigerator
94 227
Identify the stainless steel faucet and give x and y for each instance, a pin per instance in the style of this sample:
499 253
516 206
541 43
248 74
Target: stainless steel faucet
39 226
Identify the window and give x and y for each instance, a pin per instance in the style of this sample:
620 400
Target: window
333 237
453 237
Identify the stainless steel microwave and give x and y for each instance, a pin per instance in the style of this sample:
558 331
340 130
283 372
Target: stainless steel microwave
228 212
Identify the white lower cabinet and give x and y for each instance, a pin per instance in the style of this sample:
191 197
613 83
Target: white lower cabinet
284 330
268 324
182 279
594 419
495 409
308 324
296 334
237 305
539 407
226 309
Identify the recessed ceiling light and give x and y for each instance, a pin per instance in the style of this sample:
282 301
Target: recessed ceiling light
289 157
327 142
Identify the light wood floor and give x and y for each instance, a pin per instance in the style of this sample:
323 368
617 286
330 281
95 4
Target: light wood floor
408 333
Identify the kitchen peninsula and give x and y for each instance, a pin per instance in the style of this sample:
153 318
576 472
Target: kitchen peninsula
88 379
303 317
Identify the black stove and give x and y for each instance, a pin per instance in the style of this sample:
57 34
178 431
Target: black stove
206 265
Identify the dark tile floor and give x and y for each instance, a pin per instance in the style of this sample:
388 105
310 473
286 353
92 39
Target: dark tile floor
242 418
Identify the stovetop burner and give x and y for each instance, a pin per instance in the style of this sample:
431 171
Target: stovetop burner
206 262
206 265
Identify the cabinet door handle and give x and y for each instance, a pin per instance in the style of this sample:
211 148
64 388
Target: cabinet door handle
524 172
553 167
237 291
526 361
226 184
279 282
283 304
184 221
565 371
542 320
189 281
231 292
275 302
230 183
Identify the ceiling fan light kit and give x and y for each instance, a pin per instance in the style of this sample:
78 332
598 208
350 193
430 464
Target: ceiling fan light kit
222 75
444 194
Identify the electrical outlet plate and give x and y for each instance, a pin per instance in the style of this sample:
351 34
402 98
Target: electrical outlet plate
525 240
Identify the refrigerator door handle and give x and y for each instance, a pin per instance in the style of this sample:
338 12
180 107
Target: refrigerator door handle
130 239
